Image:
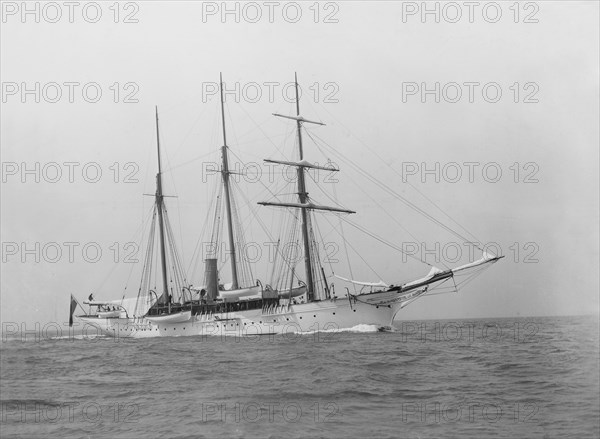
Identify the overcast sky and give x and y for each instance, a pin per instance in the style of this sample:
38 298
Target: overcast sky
517 94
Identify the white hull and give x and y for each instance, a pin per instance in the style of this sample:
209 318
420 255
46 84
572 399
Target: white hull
307 317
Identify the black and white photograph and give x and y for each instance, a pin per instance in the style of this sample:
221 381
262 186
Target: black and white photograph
300 219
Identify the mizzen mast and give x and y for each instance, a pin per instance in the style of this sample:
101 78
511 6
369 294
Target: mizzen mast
159 197
225 173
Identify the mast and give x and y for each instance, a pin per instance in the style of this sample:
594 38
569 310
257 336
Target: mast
159 206
225 173
303 196
304 204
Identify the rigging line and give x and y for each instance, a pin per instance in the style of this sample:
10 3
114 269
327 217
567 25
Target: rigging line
470 277
253 211
266 188
147 265
469 280
180 146
320 235
243 262
143 232
439 285
258 126
283 135
169 227
383 241
180 230
263 226
140 230
168 160
188 162
291 225
392 217
400 175
244 267
261 130
328 196
387 213
357 253
291 221
388 189
399 197
323 192
276 196
197 256
274 264
177 261
341 225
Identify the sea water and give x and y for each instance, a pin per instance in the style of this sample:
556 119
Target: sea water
501 378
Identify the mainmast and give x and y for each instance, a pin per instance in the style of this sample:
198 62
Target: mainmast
225 173
159 206
303 197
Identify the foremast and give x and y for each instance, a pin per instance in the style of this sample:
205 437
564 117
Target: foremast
159 200
305 204
303 197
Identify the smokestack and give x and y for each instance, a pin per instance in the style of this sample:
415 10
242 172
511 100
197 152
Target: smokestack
212 280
